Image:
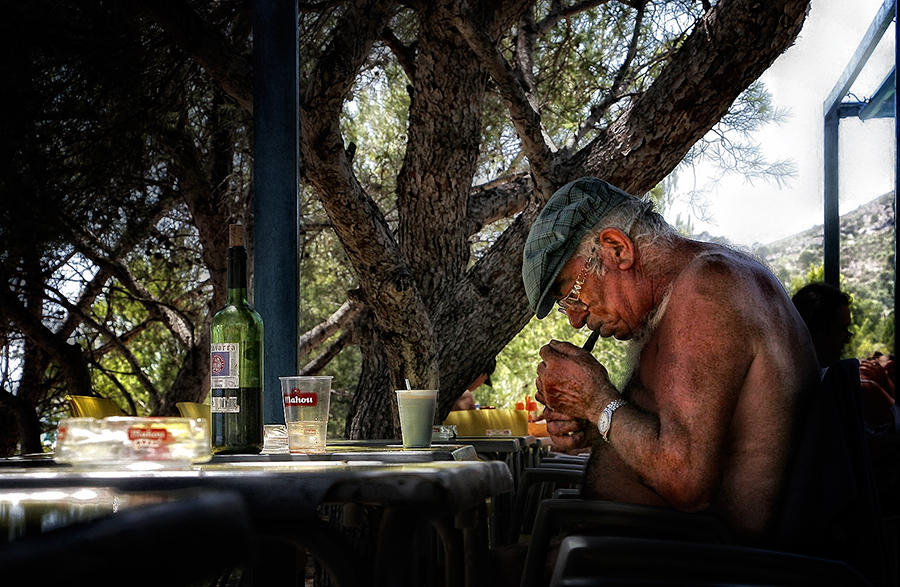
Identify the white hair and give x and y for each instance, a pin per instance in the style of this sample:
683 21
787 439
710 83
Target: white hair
638 219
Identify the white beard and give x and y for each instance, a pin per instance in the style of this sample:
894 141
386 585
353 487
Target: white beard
643 334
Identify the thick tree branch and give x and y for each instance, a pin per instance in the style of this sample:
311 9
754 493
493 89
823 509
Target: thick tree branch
502 198
205 44
384 276
727 50
406 56
329 353
560 12
67 356
536 142
314 337
526 40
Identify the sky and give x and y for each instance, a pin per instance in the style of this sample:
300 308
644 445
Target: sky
800 81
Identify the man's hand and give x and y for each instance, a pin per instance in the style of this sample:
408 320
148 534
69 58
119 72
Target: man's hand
567 433
572 382
874 371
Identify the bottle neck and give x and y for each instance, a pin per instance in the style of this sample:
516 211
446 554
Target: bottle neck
237 275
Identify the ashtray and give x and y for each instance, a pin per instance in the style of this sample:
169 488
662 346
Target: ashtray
123 440
443 432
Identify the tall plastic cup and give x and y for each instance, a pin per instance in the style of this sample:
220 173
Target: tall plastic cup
306 401
416 408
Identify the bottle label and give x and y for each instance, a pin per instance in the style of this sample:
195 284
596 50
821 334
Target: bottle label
224 405
224 364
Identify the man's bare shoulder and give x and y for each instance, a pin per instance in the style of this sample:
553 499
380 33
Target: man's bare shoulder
727 291
715 270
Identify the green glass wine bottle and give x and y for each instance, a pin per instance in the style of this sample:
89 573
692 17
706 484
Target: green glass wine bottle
236 362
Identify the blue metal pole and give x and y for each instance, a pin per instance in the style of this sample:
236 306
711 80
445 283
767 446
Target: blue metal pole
896 170
275 183
832 233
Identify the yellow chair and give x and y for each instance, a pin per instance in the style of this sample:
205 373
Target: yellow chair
479 422
86 406
193 410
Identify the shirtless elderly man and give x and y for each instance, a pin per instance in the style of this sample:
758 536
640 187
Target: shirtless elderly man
721 359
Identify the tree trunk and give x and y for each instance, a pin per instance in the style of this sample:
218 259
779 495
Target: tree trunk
715 64
373 412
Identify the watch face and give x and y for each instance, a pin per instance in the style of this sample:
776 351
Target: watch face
603 423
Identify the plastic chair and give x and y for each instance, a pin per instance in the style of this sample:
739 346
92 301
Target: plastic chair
595 561
535 485
86 406
563 517
176 542
193 410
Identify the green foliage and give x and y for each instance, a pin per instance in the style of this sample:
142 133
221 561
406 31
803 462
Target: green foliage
584 70
730 146
376 120
166 269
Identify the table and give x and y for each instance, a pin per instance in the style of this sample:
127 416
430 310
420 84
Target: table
517 452
386 451
283 497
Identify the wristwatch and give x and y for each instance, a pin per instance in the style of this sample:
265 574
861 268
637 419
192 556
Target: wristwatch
606 417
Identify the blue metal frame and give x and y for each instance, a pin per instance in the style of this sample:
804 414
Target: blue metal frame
276 161
835 109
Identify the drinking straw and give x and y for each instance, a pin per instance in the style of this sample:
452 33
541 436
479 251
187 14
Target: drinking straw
591 340
408 386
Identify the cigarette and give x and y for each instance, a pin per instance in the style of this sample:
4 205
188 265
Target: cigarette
591 340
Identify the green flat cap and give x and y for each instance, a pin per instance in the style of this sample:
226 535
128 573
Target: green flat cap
569 214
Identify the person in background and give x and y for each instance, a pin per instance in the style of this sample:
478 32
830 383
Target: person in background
880 369
722 361
882 418
825 310
879 400
467 400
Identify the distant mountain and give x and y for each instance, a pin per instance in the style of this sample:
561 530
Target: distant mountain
867 250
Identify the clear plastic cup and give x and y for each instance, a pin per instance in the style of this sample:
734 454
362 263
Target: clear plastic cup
306 401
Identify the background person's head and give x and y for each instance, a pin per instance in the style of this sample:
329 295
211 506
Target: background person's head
485 377
826 311
467 400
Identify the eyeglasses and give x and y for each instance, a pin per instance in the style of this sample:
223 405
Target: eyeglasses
568 302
